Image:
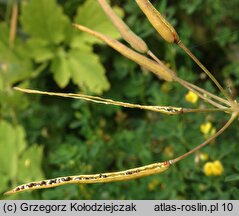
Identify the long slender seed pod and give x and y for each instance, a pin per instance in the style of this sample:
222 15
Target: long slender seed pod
138 172
128 35
160 70
161 25
169 110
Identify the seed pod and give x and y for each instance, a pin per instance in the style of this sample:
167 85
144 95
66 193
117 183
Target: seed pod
134 173
161 25
162 109
160 70
135 41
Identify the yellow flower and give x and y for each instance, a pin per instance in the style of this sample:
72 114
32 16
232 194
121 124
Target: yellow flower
217 168
191 97
213 168
205 128
208 168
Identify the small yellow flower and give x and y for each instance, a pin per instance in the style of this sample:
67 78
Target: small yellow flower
191 97
205 128
217 168
213 168
208 168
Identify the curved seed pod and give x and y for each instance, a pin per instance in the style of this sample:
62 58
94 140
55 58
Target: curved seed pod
169 110
160 70
139 172
135 41
162 26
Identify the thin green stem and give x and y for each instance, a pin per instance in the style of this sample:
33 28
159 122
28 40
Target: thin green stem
195 59
207 93
187 110
232 118
200 95
154 57
192 86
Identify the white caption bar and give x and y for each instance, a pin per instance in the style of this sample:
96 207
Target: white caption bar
117 207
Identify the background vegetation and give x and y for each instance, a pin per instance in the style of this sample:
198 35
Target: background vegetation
46 137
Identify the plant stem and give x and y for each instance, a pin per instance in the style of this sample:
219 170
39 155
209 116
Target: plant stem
232 118
151 54
187 110
195 59
162 109
196 88
154 57
207 93
200 95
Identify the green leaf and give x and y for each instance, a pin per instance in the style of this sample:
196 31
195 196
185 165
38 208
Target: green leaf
234 177
82 66
29 166
44 19
15 63
40 50
61 69
87 71
91 15
12 143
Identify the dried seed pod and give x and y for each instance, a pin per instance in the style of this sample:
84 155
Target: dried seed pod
169 110
160 70
135 41
134 173
161 25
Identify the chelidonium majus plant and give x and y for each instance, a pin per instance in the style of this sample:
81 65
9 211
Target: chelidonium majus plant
143 56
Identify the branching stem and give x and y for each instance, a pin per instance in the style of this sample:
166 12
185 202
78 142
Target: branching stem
151 54
200 95
195 59
207 93
232 118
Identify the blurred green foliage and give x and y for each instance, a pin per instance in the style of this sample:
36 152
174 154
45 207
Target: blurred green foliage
46 137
